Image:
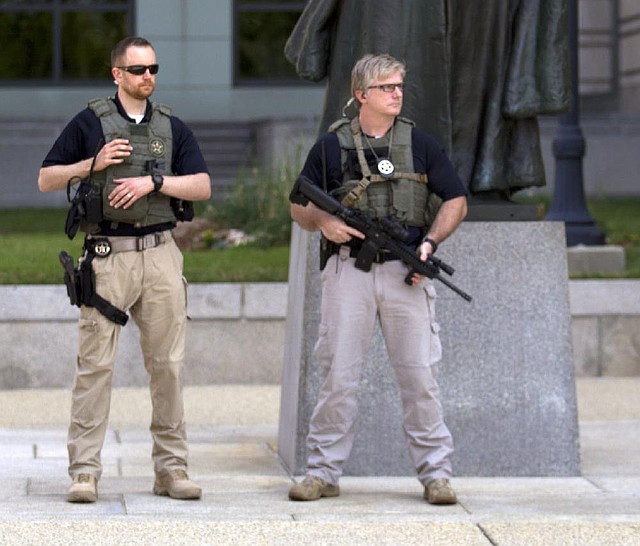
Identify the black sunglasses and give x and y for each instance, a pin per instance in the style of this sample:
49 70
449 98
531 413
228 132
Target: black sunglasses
140 69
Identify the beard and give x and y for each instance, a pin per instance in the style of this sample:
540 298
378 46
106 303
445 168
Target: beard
142 91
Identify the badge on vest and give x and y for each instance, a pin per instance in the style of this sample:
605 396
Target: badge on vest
156 147
386 168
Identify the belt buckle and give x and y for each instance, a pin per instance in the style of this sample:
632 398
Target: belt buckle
141 242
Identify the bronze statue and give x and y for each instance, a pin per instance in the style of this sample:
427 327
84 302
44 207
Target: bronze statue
479 74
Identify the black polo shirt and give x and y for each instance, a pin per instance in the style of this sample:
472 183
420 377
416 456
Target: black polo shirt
83 138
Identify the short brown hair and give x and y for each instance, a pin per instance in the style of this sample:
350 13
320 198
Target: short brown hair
374 67
120 49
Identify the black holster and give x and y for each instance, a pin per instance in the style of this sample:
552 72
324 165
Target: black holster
327 248
71 279
81 288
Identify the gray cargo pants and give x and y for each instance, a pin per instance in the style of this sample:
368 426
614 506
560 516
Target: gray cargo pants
351 299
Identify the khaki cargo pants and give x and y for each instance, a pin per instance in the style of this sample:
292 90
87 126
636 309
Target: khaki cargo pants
150 286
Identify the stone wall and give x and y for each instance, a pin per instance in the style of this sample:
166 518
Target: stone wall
606 327
236 334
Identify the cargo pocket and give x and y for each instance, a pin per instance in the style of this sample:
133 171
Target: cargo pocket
89 345
185 284
435 346
322 350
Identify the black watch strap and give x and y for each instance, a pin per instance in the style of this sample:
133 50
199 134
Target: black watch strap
157 180
433 244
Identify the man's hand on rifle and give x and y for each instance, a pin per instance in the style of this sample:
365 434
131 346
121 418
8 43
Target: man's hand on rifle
425 249
313 218
337 231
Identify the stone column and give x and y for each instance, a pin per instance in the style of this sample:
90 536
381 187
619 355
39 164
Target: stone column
506 376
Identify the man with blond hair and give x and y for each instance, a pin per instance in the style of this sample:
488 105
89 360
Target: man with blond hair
382 164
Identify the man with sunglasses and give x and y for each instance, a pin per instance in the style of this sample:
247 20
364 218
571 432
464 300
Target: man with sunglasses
380 163
145 165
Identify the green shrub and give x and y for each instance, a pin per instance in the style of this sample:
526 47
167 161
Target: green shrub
259 206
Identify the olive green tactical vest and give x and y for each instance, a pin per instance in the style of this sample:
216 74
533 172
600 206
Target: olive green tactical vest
151 141
405 196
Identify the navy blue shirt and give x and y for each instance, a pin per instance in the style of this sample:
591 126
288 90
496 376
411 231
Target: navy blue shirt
428 157
323 167
83 138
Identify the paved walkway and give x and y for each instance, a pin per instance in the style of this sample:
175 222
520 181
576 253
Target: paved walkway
233 436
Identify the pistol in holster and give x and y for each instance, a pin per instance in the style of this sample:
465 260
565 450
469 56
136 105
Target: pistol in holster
327 248
81 288
71 279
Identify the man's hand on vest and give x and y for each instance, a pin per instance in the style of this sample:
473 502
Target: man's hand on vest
113 153
129 190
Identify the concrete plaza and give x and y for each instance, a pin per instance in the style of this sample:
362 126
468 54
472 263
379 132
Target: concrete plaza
232 433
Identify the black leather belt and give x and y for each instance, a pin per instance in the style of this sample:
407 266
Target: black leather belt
382 256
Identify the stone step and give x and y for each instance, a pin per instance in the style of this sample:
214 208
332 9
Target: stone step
229 149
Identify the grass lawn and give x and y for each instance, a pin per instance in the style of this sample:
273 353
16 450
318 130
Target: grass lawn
30 240
619 219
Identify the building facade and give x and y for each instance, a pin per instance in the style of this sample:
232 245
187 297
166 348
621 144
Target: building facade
221 61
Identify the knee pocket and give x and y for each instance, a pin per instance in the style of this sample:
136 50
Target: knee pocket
323 350
435 345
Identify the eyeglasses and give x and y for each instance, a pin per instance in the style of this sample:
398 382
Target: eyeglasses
388 87
140 69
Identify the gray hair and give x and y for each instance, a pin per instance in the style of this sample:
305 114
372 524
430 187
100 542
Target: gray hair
374 67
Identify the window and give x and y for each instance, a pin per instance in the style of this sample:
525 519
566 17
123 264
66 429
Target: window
60 42
261 29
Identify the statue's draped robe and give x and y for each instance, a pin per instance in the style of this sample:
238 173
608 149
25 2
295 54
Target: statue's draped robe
478 73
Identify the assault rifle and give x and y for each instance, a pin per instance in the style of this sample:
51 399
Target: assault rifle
385 234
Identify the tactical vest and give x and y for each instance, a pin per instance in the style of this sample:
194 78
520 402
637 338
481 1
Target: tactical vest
152 144
404 196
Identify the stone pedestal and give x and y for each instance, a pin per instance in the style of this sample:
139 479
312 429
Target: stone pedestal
606 260
506 376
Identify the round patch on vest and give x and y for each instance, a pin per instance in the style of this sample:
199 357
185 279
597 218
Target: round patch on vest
386 168
156 147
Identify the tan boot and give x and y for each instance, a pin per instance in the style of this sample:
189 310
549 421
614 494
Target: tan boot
83 489
177 485
312 488
439 491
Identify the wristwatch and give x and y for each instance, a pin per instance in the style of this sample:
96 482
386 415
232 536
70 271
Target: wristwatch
157 180
434 245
